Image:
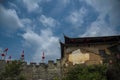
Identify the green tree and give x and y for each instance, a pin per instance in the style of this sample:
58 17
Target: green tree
82 72
12 71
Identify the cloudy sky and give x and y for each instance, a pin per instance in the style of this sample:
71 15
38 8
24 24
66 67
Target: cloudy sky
37 25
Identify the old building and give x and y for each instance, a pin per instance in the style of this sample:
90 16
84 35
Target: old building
87 50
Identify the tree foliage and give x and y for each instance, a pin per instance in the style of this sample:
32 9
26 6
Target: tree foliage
81 72
12 71
113 72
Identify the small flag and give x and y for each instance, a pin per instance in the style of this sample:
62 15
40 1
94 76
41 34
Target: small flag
2 54
5 50
43 57
22 55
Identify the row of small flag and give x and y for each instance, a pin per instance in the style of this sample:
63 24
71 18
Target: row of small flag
4 54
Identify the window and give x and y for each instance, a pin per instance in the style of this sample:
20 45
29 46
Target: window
102 53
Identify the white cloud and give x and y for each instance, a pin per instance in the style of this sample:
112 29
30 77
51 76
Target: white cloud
32 5
44 42
101 27
101 5
76 18
9 19
26 22
48 21
12 5
65 1
109 7
47 0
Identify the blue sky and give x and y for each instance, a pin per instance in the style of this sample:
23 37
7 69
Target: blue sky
37 25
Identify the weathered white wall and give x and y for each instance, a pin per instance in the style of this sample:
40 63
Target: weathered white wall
77 57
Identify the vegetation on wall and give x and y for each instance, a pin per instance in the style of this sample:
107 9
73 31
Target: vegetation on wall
12 71
82 72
